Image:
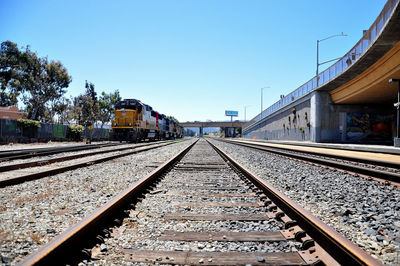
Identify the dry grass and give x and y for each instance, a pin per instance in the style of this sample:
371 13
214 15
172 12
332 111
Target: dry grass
23 200
131 224
36 238
43 196
52 181
4 235
61 212
37 197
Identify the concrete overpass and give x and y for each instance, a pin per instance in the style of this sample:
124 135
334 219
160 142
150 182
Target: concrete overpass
350 98
213 124
223 124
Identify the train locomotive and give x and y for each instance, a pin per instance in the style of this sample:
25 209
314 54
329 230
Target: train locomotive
135 121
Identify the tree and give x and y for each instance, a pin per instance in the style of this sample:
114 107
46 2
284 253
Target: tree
107 103
173 118
45 83
41 82
90 91
61 109
76 109
86 106
10 73
70 115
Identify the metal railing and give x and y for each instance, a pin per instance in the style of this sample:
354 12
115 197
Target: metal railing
340 66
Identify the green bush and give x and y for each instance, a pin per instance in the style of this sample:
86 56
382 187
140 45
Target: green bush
75 132
76 129
27 123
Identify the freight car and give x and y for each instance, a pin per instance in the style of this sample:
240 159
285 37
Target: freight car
136 121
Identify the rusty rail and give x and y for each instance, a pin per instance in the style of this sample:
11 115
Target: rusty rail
38 175
340 248
75 239
303 155
10 167
28 153
81 236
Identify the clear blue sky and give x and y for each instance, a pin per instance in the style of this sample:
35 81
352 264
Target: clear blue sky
189 59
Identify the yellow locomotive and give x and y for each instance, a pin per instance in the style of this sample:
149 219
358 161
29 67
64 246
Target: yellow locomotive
135 121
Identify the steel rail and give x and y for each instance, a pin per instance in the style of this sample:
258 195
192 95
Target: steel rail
22 154
340 248
75 239
10 167
381 174
336 156
34 176
5 153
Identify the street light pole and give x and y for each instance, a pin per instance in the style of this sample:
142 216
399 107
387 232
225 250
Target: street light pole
324 39
245 112
262 100
317 59
397 105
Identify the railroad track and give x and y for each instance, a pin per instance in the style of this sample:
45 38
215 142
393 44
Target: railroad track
201 208
18 173
376 169
29 153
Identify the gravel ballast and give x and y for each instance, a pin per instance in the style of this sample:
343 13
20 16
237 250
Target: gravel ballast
366 212
34 212
174 194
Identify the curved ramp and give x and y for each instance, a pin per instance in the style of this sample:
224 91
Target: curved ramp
372 85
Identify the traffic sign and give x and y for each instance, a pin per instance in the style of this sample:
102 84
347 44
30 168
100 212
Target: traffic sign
231 113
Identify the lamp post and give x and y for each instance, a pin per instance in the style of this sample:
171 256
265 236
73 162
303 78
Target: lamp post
262 100
245 112
397 105
318 41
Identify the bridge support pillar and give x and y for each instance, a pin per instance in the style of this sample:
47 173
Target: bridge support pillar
319 110
201 131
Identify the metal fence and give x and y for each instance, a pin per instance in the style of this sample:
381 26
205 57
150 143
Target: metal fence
340 66
10 132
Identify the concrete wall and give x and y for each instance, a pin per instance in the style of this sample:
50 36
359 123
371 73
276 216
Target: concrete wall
289 124
318 119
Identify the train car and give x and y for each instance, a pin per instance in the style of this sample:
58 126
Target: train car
135 121
180 131
167 128
162 123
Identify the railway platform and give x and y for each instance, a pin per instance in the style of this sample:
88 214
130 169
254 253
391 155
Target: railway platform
338 146
377 154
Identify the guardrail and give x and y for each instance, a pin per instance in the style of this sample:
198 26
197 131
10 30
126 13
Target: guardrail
340 66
